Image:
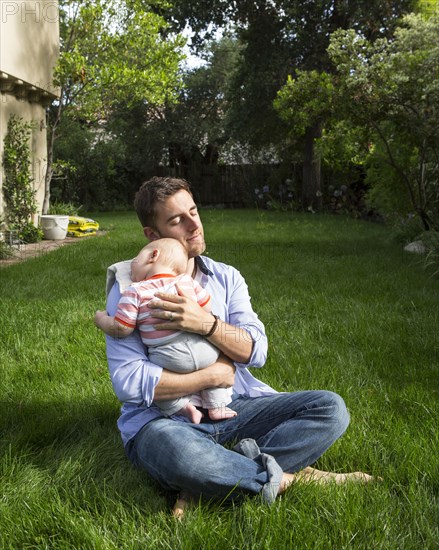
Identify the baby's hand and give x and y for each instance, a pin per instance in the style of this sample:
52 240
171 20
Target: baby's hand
99 316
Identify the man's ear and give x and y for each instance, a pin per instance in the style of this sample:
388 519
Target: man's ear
150 233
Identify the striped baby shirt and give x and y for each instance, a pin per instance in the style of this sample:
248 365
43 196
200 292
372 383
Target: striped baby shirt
133 311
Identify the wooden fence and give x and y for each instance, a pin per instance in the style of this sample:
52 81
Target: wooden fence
233 186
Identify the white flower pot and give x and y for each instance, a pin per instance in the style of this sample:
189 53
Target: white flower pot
54 227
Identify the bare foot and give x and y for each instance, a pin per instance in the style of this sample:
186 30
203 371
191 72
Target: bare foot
183 502
287 480
191 412
221 413
312 475
320 476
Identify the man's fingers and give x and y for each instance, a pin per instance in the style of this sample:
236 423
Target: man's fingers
160 299
165 314
182 292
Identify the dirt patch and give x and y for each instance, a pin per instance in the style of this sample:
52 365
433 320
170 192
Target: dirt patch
23 252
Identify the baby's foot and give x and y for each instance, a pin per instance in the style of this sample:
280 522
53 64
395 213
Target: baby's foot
221 413
191 412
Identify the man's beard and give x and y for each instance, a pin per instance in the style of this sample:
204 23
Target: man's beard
196 249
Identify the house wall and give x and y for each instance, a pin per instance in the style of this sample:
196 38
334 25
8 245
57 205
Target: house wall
29 48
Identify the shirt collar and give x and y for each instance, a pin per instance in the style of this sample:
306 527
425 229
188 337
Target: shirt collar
203 267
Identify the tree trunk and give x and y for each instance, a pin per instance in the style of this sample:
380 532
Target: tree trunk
48 176
311 185
49 168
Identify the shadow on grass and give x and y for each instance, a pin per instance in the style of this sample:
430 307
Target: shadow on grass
77 448
40 423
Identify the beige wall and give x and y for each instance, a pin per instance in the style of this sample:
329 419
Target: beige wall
29 41
29 47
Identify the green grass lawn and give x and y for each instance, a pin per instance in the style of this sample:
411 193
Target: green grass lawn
345 309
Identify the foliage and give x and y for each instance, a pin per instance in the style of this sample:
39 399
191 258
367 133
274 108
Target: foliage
29 233
94 167
63 209
195 126
105 184
114 51
224 109
431 243
190 131
111 52
428 8
279 38
261 68
110 163
312 98
386 193
379 107
17 185
342 144
5 251
71 159
305 101
391 88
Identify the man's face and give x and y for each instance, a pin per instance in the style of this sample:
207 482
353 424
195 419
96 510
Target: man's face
177 218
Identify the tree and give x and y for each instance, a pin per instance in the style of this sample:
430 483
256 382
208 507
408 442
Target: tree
391 87
139 139
195 124
305 104
188 132
111 52
280 37
91 168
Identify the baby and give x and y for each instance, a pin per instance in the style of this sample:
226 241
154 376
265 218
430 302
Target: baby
159 267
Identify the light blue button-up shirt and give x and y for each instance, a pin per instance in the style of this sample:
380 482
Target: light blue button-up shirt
134 377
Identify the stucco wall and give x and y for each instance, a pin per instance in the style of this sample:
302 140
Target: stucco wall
29 41
29 48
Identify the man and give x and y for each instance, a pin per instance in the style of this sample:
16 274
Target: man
276 436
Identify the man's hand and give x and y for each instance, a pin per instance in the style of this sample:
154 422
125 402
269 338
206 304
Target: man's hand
183 313
180 313
222 372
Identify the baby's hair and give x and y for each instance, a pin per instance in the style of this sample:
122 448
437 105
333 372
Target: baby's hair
172 253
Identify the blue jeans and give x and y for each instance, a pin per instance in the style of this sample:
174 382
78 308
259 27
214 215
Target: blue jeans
279 433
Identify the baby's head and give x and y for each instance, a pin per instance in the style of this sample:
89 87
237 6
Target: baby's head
162 255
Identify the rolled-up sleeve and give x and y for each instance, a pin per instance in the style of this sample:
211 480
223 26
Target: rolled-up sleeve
134 378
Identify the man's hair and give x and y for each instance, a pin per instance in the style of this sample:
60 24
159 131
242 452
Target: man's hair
154 190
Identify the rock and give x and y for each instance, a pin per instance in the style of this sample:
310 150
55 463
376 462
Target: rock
416 247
